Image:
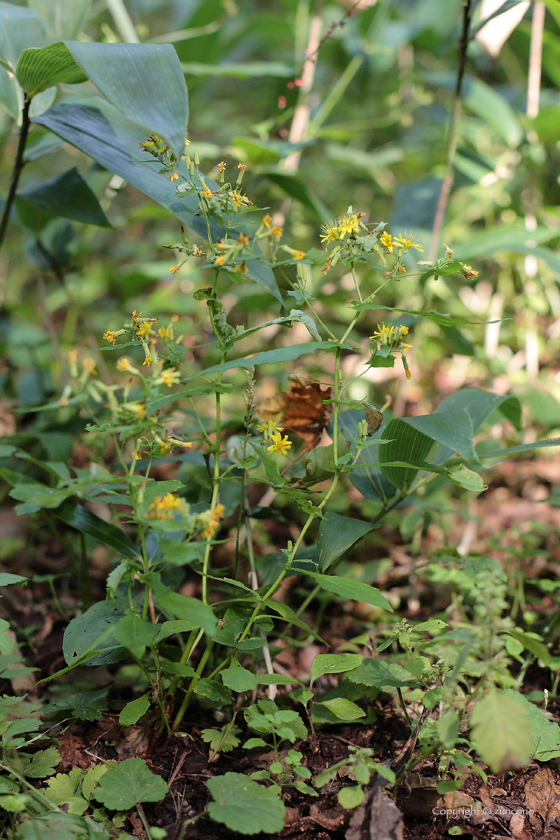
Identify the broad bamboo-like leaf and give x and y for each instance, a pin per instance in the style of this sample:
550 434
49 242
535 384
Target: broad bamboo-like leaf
406 444
39 69
20 29
67 195
110 137
350 589
451 428
436 317
336 535
525 447
93 631
80 518
155 94
63 18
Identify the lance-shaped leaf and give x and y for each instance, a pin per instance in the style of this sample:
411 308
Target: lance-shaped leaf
336 534
406 444
67 195
39 69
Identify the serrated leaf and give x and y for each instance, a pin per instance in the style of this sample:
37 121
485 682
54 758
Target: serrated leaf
87 705
7 579
545 734
501 732
342 708
333 663
129 783
43 763
350 589
64 789
224 739
245 806
134 710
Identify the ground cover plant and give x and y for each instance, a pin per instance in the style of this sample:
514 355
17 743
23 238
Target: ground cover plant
271 562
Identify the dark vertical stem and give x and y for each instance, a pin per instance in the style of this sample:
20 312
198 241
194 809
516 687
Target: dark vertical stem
18 167
453 131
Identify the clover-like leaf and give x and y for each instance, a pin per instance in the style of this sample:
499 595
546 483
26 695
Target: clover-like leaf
129 783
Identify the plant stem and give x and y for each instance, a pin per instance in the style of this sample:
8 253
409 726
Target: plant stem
187 698
19 163
453 133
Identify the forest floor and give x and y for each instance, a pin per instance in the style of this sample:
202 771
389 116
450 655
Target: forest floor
525 806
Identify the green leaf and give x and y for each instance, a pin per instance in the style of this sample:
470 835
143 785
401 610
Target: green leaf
545 734
188 609
64 789
241 70
107 135
526 447
214 691
534 646
480 404
501 732
43 763
63 18
155 93
289 615
160 488
39 69
342 708
7 579
382 674
351 797
408 445
129 783
134 710
469 480
135 634
170 628
333 663
351 590
238 678
87 705
92 631
336 535
436 317
20 28
61 826
271 357
67 195
276 679
245 806
224 739
452 428
82 519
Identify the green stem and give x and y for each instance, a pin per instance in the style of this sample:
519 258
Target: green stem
45 802
187 698
19 163
193 640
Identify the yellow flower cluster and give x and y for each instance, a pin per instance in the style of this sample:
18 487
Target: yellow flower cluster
165 507
210 520
280 444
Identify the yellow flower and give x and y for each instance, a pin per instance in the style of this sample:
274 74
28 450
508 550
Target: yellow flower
280 444
403 330
110 337
327 265
241 268
169 377
243 240
164 507
268 428
238 200
174 269
210 521
468 272
242 167
176 442
299 255
206 193
219 261
347 225
163 332
449 252
406 242
276 230
136 408
174 318
330 232
405 347
89 366
73 356
222 166
387 240
267 220
125 365
136 316
383 334
174 176
144 330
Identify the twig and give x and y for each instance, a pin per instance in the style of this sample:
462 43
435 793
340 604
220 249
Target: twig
535 60
19 163
453 132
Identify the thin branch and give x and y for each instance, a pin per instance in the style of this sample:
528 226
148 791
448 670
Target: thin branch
535 60
19 163
453 132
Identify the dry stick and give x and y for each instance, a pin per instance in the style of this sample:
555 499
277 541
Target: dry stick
19 163
453 132
533 101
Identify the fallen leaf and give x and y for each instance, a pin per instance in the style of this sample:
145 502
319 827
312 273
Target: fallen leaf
300 410
542 795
